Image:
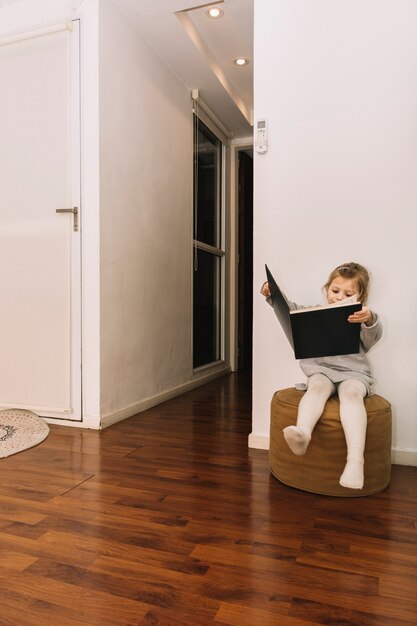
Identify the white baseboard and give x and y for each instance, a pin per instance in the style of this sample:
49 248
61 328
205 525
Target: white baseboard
404 457
398 456
258 441
147 403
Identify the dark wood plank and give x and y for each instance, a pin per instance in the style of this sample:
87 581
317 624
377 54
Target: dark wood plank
169 519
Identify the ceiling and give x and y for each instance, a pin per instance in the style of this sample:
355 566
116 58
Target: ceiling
200 50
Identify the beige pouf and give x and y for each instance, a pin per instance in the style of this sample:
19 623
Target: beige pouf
320 468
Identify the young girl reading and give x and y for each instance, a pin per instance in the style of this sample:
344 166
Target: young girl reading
349 375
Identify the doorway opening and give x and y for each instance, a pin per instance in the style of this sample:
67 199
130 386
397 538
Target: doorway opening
245 259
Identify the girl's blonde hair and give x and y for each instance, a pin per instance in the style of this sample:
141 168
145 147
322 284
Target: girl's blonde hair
353 271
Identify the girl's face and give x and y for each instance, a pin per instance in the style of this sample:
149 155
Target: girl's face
341 288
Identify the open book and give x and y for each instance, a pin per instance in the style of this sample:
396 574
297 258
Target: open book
316 331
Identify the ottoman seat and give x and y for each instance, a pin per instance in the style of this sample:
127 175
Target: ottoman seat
320 468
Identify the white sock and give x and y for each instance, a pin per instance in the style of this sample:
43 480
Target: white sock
352 476
310 409
297 439
354 420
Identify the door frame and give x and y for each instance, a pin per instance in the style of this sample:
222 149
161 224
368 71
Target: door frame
236 145
76 416
76 256
202 113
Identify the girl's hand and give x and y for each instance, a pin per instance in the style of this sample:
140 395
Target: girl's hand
265 290
364 316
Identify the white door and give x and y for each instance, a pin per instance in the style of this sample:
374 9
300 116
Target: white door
40 327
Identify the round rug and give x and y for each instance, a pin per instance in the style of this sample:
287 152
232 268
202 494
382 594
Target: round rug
19 430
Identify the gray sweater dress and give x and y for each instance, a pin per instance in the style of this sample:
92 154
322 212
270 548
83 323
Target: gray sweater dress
346 366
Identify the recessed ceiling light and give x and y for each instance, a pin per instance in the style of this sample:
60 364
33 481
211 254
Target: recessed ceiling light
241 61
214 12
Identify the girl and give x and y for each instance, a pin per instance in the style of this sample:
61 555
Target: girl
349 375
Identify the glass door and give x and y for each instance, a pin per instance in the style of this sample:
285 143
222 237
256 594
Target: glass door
208 247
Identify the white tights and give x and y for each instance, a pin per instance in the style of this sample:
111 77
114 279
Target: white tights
352 417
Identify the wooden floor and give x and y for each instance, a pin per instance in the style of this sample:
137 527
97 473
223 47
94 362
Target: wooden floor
168 518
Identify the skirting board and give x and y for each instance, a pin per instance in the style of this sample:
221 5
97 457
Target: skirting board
404 457
258 441
398 456
148 403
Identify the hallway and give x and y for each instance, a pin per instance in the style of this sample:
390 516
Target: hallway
169 519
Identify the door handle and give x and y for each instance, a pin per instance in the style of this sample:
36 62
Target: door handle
74 211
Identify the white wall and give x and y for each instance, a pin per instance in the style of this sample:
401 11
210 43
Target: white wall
136 213
146 223
336 81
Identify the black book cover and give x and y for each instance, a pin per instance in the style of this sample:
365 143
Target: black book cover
319 331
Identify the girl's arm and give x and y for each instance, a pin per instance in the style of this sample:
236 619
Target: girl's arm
371 329
265 291
371 334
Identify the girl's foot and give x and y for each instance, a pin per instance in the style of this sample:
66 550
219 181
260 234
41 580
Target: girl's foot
352 476
297 439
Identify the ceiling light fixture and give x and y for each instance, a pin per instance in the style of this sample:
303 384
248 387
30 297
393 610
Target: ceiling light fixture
241 61
214 13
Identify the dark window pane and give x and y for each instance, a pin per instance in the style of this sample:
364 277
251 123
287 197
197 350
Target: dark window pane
208 187
206 341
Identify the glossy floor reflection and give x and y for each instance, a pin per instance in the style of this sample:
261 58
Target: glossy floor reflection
168 518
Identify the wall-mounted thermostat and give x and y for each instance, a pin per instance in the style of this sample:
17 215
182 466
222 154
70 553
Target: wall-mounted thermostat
261 136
